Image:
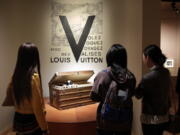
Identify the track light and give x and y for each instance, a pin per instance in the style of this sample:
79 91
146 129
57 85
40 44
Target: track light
175 8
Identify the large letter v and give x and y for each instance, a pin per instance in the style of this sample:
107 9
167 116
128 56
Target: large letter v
77 48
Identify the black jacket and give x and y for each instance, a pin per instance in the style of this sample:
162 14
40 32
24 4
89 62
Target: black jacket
101 85
154 90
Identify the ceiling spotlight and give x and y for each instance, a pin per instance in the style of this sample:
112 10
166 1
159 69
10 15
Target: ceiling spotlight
177 11
175 8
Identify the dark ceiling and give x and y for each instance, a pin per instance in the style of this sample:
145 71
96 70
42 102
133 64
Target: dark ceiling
172 0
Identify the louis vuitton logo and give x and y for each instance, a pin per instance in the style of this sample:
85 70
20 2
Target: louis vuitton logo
77 48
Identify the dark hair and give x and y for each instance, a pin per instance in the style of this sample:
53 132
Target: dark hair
155 54
27 60
117 56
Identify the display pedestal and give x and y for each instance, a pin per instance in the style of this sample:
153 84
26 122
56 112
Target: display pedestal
74 121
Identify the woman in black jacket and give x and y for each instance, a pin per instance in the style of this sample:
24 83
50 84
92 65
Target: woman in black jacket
104 83
154 90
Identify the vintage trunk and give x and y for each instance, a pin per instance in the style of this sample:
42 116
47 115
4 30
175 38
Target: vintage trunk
70 89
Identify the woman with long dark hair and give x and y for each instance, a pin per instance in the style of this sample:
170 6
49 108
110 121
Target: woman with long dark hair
25 93
154 89
115 84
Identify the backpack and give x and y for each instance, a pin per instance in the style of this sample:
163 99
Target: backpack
117 106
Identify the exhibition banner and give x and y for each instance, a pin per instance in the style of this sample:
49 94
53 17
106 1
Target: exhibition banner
76 31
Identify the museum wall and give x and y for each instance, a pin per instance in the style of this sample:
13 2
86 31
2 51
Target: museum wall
20 21
6 65
31 20
170 33
151 25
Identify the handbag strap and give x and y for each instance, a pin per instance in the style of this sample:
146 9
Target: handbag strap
109 90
